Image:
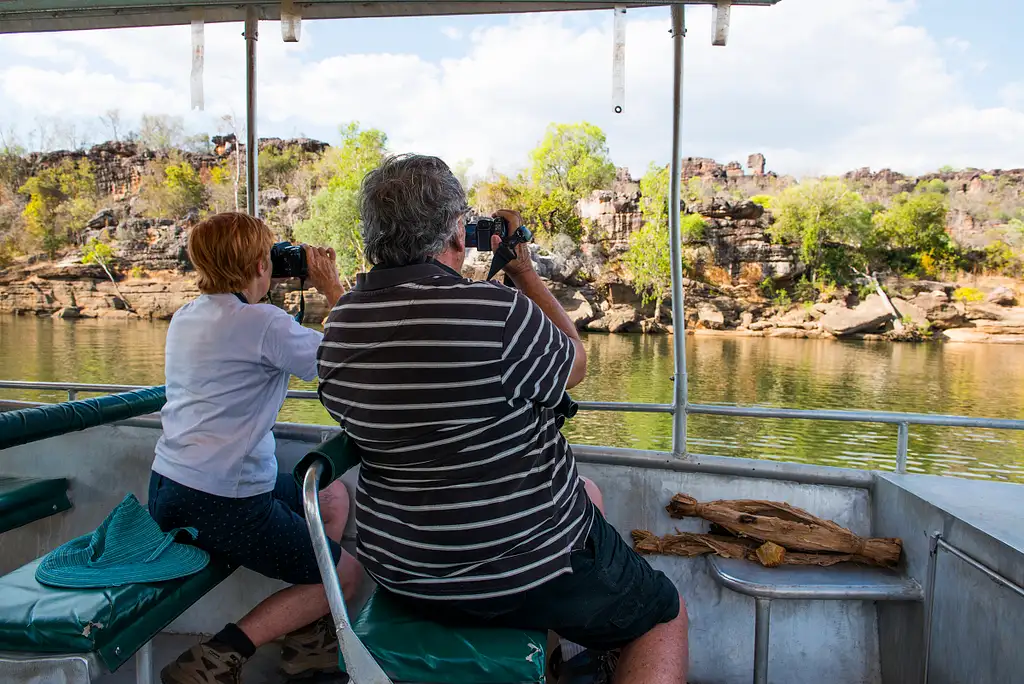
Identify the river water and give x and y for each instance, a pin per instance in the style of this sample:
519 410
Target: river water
973 380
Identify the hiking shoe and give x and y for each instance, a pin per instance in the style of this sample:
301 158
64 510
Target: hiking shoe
209 663
588 667
311 650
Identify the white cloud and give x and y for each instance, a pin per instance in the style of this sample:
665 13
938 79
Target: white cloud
958 44
1012 94
818 87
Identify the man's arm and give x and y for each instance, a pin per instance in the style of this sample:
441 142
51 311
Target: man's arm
520 270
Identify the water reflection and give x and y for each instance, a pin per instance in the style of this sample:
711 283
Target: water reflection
977 380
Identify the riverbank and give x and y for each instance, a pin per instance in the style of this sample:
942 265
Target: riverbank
982 311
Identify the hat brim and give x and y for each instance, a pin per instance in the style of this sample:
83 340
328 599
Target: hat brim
68 567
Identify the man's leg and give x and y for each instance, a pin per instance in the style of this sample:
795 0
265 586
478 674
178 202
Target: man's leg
299 605
660 656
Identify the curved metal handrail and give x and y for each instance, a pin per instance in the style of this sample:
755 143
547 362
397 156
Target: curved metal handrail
359 664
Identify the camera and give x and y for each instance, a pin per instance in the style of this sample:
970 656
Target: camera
479 232
288 261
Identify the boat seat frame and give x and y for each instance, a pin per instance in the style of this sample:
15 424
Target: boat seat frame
840 582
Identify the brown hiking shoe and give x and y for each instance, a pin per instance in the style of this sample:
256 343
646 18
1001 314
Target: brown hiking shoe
311 650
209 663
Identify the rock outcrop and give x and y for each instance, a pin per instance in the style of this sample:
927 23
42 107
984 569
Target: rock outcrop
737 235
868 316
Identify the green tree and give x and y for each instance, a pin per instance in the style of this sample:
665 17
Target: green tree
171 190
654 186
573 158
100 253
61 200
818 216
548 213
334 217
569 163
649 258
912 227
934 185
278 165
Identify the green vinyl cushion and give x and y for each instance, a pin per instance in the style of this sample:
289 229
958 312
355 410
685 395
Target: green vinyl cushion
113 622
411 649
27 499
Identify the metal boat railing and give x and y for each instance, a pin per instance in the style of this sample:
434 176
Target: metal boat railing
903 421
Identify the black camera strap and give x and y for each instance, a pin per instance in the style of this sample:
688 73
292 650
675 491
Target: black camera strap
302 301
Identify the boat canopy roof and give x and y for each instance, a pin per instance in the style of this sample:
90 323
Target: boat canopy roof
30 16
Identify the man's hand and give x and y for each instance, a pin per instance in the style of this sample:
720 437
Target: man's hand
522 265
323 272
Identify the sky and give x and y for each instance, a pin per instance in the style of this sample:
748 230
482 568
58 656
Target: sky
817 86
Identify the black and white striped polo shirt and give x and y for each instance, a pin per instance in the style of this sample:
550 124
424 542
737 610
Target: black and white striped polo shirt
467 489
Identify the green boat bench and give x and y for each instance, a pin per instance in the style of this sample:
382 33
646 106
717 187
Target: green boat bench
27 499
84 633
412 649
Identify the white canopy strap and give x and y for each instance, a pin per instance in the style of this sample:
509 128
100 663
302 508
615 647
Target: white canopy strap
720 19
198 55
619 60
291 22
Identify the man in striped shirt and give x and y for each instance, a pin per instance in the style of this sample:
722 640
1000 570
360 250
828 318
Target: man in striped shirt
469 504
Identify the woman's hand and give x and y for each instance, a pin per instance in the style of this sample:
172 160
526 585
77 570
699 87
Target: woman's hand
322 267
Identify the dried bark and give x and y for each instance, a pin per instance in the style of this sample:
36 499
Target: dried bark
790 527
689 545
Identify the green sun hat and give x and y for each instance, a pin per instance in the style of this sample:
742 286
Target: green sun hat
127 548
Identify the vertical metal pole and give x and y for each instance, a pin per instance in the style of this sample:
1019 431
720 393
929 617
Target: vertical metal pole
144 664
929 601
762 627
251 140
902 444
72 395
674 195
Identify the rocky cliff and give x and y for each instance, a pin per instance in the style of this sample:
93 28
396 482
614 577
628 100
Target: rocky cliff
733 255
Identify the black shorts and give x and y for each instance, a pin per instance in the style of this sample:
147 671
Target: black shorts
612 597
266 533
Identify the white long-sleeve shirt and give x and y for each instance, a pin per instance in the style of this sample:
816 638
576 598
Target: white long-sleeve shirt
227 367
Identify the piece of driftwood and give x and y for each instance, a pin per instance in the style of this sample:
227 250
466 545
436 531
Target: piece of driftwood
792 528
689 544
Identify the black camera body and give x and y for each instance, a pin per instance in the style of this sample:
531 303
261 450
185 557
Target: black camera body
479 232
288 261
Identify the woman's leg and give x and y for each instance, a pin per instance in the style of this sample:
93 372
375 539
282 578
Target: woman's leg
301 604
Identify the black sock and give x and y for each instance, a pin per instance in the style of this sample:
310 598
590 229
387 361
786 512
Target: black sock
235 638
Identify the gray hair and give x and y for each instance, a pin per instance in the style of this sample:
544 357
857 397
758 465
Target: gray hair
410 207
